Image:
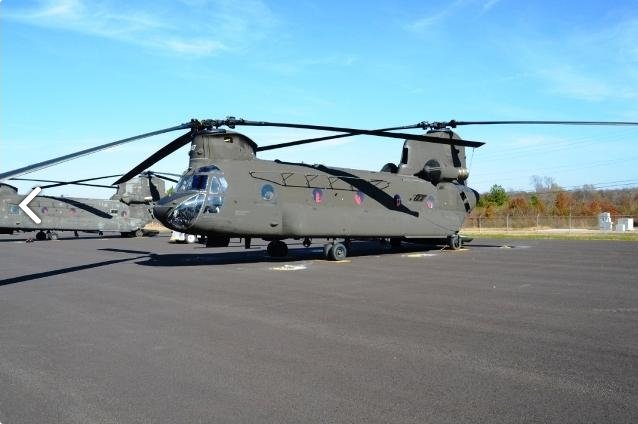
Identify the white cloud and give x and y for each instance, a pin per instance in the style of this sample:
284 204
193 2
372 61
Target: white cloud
566 81
203 28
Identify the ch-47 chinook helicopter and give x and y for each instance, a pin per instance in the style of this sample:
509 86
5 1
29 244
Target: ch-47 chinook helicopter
228 192
126 212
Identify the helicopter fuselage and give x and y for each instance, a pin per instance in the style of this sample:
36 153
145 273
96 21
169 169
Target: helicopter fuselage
277 200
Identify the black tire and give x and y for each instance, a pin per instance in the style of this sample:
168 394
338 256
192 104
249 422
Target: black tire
277 249
138 233
454 242
41 235
338 252
217 241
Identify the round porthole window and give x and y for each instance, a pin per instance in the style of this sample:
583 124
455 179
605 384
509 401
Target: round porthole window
267 192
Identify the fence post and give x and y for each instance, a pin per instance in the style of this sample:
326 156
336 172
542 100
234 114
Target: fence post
570 220
507 222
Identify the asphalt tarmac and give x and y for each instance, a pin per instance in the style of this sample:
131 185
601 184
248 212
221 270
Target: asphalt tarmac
110 330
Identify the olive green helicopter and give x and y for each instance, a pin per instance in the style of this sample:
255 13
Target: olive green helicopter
227 191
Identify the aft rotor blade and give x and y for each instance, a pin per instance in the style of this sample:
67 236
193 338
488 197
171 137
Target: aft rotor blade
328 137
353 131
453 123
55 161
157 156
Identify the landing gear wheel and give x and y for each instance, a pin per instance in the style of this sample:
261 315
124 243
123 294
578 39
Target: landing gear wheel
191 238
307 242
41 235
338 252
326 250
277 249
52 236
454 242
138 233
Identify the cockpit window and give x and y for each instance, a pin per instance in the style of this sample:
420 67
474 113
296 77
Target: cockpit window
192 182
199 181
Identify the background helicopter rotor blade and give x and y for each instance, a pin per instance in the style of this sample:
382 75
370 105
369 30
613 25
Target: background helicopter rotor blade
156 157
54 161
453 123
83 182
63 183
161 175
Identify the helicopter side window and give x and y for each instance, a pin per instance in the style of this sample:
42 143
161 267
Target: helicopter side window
184 183
215 185
14 209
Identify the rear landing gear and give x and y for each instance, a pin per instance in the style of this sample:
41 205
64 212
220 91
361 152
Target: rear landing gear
277 249
454 242
49 235
335 251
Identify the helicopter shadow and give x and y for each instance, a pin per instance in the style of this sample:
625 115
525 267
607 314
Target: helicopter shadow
259 255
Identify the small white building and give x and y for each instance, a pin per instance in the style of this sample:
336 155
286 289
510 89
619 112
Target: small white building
625 224
604 221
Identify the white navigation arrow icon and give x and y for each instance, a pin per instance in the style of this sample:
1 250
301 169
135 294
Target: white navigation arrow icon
25 202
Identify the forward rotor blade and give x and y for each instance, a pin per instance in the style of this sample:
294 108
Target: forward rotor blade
156 157
353 131
51 162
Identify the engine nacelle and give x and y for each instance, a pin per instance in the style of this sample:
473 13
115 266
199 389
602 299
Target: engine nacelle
436 172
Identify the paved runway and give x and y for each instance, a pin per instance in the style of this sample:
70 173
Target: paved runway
140 331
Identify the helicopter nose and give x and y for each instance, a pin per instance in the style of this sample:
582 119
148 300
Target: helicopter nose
161 212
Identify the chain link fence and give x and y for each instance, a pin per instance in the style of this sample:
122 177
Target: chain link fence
534 223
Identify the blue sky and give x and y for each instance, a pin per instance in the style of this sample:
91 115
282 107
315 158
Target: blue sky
76 73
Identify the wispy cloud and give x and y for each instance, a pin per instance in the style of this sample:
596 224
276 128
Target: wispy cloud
489 4
201 28
449 11
432 19
593 65
563 79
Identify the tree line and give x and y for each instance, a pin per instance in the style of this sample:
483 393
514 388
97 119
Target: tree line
548 198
